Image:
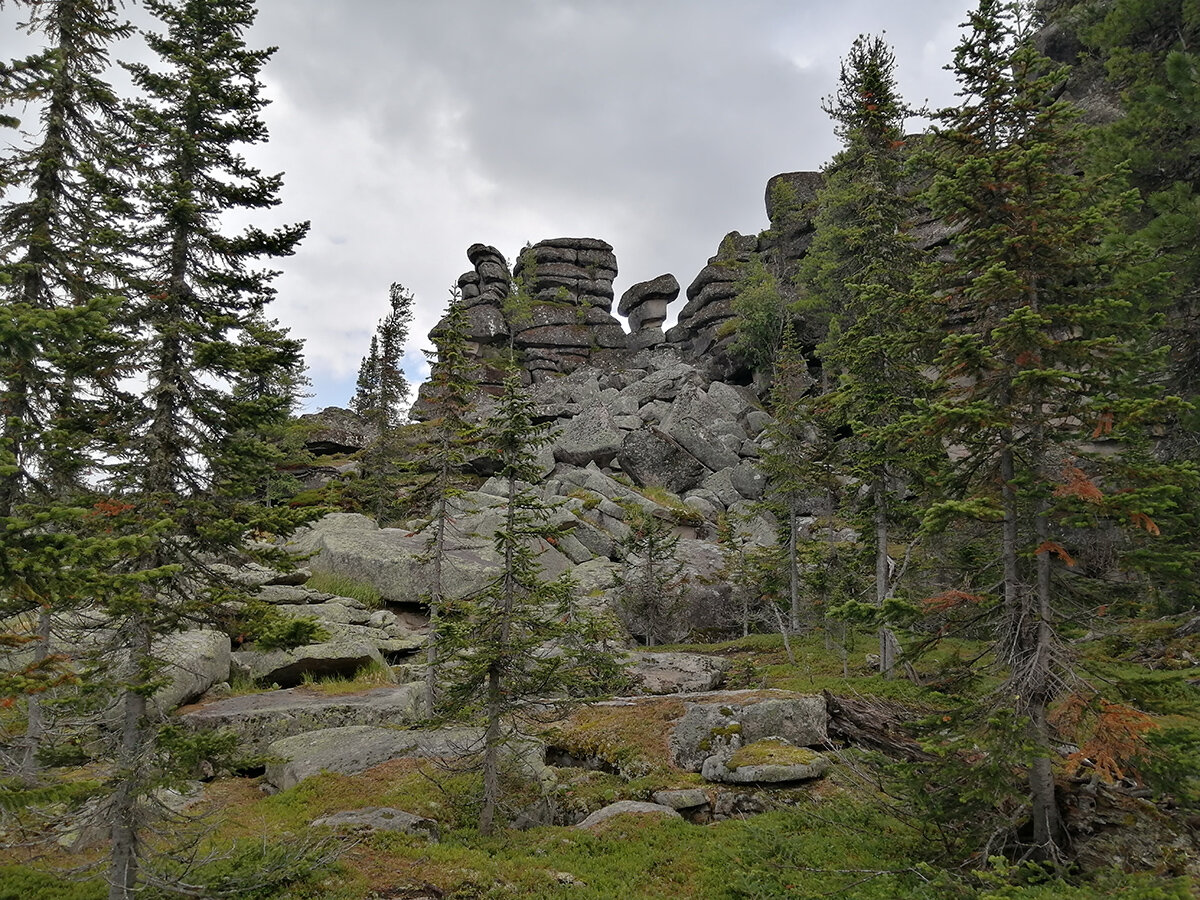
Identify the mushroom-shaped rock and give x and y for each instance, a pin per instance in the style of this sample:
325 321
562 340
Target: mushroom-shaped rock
645 304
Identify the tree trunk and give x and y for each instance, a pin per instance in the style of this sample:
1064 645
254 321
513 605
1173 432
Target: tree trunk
123 809
435 603
1010 642
888 645
491 755
793 569
35 727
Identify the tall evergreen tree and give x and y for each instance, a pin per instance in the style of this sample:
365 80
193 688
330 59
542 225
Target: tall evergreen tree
501 674
191 443
380 397
861 268
1054 358
59 350
447 434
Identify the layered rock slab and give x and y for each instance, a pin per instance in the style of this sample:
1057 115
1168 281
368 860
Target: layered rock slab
261 719
352 749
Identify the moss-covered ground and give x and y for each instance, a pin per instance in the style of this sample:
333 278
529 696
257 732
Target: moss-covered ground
847 835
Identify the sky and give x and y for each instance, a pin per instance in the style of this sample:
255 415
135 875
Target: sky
408 130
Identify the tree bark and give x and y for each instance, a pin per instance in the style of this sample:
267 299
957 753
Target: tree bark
888 645
123 809
35 727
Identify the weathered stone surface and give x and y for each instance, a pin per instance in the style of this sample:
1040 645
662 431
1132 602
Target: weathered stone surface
699 424
651 457
628 807
195 661
334 430
646 306
687 798
380 818
676 673
720 484
591 436
355 748
352 545
261 719
707 727
287 668
791 198
773 761
748 480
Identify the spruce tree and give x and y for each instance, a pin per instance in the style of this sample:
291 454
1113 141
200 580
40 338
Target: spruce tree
59 349
1055 356
650 584
504 668
860 269
447 434
211 363
381 393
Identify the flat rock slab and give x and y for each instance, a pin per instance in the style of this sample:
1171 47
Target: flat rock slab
675 673
380 818
352 749
628 807
260 719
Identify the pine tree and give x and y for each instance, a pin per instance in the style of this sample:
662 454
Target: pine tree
860 268
649 585
793 460
59 350
381 393
499 638
1055 357
211 381
448 433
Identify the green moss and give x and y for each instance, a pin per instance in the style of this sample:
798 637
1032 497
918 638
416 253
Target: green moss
770 753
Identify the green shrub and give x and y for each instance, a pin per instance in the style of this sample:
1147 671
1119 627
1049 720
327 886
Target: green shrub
285 634
23 883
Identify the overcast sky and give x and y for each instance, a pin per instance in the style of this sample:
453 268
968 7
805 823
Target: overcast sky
409 129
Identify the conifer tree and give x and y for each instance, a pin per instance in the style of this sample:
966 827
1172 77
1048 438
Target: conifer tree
1055 356
501 671
860 268
212 364
448 433
793 460
381 392
649 585
59 349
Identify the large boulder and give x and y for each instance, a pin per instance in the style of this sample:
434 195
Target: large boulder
260 719
339 431
628 808
195 661
380 818
352 749
677 673
591 436
705 428
651 457
768 761
721 726
353 545
645 304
